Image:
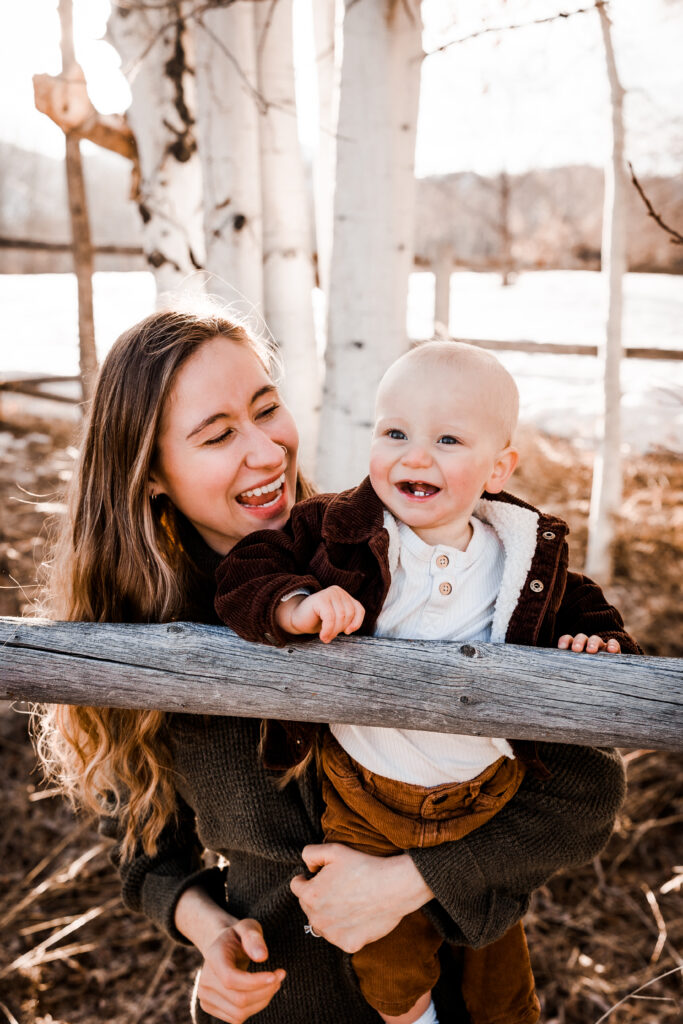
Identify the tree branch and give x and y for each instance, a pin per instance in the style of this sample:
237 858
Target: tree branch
509 28
66 102
676 238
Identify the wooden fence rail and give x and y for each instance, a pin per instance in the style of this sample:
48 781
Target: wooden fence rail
480 689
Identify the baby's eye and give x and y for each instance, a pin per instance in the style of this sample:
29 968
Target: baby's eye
448 439
395 434
221 437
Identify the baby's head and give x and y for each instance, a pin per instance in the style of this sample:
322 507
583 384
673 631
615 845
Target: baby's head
445 418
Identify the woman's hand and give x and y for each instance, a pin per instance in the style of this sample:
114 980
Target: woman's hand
356 898
225 988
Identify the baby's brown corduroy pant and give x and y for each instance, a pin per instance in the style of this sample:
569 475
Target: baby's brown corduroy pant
381 816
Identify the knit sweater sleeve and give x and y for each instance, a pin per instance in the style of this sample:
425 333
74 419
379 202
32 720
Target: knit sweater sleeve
265 566
152 885
483 883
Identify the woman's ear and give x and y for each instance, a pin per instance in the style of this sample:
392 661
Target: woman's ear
504 467
154 487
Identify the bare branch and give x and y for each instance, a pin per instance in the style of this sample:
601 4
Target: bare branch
65 101
676 238
525 24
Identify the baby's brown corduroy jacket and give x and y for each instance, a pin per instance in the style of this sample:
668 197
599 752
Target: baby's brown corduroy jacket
340 539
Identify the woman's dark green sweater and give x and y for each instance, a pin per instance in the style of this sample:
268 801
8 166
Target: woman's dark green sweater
482 884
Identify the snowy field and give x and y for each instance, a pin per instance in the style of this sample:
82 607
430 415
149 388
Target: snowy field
560 394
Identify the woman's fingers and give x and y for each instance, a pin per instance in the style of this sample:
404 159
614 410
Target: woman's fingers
226 989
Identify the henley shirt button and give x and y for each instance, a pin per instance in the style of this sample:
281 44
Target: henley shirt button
536 586
548 535
445 588
442 561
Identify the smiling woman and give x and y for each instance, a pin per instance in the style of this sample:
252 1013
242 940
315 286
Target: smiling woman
227 447
187 449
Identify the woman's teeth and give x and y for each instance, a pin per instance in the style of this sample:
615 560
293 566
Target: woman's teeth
274 488
266 489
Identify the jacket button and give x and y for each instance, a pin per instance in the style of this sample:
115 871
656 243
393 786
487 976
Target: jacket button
445 588
442 561
536 586
548 535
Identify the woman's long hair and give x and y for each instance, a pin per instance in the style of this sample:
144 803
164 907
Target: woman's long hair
120 557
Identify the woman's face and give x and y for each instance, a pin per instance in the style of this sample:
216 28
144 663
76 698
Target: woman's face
227 447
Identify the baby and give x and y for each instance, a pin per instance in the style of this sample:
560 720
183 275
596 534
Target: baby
428 547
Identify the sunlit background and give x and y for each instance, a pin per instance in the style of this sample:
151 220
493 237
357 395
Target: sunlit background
508 101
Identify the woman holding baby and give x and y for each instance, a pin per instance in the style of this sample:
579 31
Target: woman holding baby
188 449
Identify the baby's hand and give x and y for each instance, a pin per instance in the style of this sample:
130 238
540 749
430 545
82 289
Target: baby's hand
329 612
590 644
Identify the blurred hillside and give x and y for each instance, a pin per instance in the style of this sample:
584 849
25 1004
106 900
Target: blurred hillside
540 220
34 209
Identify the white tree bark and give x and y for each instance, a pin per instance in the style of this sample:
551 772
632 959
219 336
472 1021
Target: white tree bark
372 247
442 267
607 471
327 24
228 138
155 47
288 272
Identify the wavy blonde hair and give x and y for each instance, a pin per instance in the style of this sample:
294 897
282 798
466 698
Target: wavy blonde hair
120 557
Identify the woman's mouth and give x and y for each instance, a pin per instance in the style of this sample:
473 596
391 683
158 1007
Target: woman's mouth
417 489
264 497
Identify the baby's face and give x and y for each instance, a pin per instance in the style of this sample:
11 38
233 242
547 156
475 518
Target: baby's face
437 446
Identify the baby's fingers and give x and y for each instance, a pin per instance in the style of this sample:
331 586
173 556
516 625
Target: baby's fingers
356 616
330 625
590 644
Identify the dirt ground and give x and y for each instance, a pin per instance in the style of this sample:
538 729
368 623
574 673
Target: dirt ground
606 940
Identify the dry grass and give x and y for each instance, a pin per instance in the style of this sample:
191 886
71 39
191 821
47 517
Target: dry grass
606 940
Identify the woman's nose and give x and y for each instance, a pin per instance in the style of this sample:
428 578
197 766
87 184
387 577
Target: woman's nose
262 451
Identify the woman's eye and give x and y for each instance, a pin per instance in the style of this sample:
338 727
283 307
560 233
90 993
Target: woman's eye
396 435
221 437
270 410
448 439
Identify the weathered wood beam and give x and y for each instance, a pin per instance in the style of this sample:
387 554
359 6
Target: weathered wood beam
562 349
479 689
33 245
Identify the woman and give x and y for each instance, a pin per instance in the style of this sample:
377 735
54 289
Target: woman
188 449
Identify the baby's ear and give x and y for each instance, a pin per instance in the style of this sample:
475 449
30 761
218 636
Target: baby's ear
505 464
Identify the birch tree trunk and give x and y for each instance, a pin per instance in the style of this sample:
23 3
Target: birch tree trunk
327 20
607 471
80 223
288 271
443 267
228 136
372 248
155 47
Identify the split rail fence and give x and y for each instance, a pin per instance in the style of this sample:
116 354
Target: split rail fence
478 689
